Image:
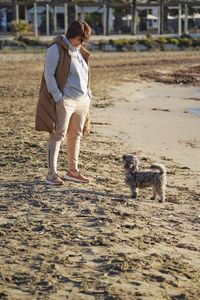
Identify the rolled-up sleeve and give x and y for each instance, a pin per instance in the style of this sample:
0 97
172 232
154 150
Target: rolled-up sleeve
51 63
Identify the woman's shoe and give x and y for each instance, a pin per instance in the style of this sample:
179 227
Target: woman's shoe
53 180
76 176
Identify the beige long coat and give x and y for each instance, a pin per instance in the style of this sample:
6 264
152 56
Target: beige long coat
46 107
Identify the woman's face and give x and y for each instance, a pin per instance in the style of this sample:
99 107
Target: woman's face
77 41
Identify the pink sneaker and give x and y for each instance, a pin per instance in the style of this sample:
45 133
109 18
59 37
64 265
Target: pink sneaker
53 180
76 176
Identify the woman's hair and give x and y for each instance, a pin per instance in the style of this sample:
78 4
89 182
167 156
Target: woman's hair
79 28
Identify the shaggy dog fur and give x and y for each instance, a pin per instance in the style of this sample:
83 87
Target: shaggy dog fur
135 178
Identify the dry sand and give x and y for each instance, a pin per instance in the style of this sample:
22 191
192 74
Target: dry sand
93 241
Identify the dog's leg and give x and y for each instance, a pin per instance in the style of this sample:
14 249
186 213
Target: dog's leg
134 191
161 194
154 193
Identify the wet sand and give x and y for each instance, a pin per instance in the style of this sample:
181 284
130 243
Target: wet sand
93 241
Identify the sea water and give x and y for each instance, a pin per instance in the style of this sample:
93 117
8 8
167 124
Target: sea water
196 110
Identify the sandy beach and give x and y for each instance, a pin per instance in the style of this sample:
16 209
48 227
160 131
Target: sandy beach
158 120
93 241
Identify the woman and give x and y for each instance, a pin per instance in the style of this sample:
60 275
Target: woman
64 99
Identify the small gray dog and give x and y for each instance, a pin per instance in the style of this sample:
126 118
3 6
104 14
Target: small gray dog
135 178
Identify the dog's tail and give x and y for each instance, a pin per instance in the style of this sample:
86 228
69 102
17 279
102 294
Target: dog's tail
159 167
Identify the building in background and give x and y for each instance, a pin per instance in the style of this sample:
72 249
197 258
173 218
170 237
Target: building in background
104 16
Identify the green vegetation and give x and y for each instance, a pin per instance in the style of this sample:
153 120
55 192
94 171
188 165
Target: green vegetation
196 42
12 44
147 43
185 41
119 44
32 41
173 41
21 27
162 40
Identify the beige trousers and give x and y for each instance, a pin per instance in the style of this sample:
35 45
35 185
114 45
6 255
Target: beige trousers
71 115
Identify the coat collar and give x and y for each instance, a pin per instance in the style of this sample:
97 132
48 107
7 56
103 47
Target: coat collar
59 40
